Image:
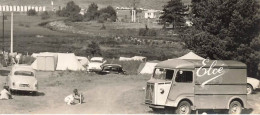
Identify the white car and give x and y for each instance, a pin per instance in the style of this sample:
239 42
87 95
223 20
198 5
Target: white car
22 78
252 84
95 64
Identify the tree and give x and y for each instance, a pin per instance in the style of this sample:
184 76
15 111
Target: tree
72 11
45 15
173 13
92 12
109 13
94 48
225 29
31 12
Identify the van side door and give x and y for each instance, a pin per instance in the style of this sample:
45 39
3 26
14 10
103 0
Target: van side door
182 85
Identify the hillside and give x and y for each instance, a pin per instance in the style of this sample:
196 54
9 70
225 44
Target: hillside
154 4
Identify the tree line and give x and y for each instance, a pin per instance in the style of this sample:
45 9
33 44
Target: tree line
72 11
222 29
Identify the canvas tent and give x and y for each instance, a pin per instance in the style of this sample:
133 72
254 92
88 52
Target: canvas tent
68 61
45 61
57 61
148 67
135 58
192 56
83 60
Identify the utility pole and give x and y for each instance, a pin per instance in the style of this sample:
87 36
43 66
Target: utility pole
3 32
12 29
133 12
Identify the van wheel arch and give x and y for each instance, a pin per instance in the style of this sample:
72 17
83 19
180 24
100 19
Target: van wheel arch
236 99
185 100
184 107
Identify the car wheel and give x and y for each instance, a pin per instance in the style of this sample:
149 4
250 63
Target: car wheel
184 107
235 107
249 89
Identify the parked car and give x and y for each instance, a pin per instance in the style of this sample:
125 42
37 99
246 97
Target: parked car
112 69
252 84
95 64
22 78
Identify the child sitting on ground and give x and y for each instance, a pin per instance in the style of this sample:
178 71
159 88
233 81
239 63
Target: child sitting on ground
70 99
5 94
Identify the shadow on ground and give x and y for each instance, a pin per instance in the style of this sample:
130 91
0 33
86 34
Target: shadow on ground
26 93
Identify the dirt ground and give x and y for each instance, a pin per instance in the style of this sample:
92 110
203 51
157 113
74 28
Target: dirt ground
110 94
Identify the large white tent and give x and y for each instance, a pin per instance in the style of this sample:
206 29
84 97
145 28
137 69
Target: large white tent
68 61
58 61
192 56
45 61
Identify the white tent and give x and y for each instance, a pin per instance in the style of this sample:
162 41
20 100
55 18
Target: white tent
135 58
83 60
45 61
125 59
68 61
148 67
191 55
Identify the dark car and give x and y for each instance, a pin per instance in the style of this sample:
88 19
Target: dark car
112 69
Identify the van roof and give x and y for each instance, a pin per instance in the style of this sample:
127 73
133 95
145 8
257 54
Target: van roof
191 64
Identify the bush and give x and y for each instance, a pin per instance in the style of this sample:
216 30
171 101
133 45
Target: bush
147 32
45 15
31 12
76 18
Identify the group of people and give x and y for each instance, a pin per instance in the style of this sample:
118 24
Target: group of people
74 98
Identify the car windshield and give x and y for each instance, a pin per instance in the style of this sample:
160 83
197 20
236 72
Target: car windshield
164 74
24 73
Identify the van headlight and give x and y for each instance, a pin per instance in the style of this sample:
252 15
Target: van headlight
161 90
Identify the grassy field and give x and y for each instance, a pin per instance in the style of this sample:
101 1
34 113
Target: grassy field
32 38
112 93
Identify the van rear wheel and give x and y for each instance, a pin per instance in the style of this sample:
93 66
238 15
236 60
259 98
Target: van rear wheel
184 107
235 107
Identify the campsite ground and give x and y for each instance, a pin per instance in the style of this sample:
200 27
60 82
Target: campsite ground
103 94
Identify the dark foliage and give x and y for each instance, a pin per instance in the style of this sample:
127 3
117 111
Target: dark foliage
45 15
92 12
71 11
174 13
31 12
227 30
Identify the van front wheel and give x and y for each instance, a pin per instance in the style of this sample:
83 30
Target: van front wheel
184 107
235 107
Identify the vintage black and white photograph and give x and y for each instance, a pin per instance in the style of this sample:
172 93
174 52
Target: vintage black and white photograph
130 57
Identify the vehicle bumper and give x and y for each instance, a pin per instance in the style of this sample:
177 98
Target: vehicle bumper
24 89
156 106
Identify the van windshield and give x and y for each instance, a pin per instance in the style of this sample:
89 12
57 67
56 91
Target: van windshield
164 74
